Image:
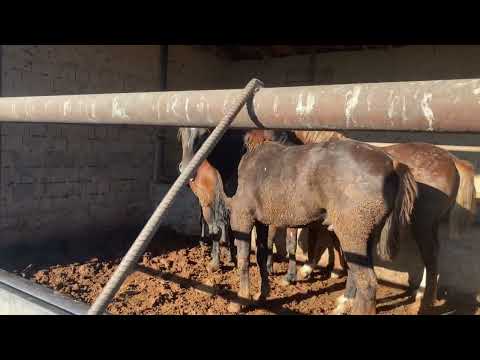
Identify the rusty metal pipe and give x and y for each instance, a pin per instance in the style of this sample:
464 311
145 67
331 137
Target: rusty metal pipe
443 106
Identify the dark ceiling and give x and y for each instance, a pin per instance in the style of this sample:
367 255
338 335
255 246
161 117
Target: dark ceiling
243 52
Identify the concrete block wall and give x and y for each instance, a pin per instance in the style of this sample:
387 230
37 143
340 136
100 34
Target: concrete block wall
64 181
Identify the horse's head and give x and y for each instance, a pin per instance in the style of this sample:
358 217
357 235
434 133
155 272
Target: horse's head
208 188
191 139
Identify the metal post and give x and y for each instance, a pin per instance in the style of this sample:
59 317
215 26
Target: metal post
141 243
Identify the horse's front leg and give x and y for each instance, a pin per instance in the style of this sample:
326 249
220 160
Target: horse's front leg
214 264
262 258
203 237
243 243
291 276
272 232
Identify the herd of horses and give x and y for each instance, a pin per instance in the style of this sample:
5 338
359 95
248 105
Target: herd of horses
358 197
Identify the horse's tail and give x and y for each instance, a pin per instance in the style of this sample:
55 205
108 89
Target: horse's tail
462 214
397 225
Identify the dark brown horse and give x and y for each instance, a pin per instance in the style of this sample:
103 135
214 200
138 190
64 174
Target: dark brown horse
446 187
355 189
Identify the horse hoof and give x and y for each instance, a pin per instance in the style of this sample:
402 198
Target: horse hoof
341 300
334 275
340 310
261 296
419 294
234 308
213 267
305 272
343 305
270 269
286 281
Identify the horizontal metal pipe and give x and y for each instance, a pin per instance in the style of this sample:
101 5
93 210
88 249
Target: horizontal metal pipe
444 106
459 148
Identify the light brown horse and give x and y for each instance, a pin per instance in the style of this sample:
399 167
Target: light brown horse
446 187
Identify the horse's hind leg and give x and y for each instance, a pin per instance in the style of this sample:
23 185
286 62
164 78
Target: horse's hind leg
291 276
344 302
262 257
357 249
315 250
426 236
366 284
232 255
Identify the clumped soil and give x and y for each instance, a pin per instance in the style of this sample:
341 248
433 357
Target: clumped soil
173 280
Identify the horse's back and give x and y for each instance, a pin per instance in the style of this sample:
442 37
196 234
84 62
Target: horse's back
314 177
430 165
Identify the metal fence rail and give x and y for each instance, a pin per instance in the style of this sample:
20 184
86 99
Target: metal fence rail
444 105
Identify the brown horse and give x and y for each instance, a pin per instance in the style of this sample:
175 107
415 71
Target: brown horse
355 189
213 211
446 187
320 238
221 160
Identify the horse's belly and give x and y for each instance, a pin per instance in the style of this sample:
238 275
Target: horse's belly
288 213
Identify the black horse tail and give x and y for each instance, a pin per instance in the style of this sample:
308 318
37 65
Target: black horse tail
397 225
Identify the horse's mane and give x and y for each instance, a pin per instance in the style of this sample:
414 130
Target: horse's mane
179 134
313 137
184 131
254 138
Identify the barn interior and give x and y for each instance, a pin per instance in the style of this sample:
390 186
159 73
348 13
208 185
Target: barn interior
78 190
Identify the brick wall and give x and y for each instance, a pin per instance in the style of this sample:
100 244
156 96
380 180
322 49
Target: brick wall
59 181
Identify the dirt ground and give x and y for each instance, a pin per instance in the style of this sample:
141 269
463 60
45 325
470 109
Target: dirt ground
173 280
